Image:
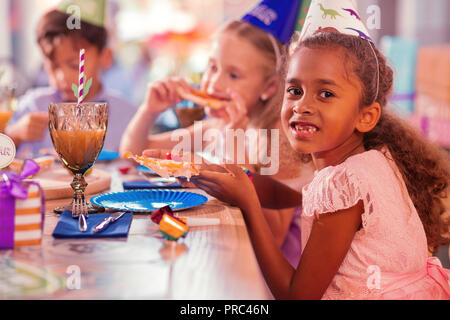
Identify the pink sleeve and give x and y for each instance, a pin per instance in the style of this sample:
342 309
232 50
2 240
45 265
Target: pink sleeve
336 189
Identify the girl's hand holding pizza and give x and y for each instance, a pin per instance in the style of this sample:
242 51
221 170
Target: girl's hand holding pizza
163 94
233 186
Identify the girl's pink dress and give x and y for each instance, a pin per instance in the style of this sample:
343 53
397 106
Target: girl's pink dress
388 258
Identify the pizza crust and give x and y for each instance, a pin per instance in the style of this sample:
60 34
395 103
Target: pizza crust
166 168
201 98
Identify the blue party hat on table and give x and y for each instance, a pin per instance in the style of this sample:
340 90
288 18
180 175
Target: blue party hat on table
277 17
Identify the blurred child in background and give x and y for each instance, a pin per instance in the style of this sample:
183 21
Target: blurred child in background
60 47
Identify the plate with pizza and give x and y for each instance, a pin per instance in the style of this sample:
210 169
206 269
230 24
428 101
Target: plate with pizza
148 200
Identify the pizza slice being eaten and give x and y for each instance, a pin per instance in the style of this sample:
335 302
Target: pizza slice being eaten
201 98
166 168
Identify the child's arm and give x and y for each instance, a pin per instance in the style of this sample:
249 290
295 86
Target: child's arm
328 244
28 128
160 96
273 194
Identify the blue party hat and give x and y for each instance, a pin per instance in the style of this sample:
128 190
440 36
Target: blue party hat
278 17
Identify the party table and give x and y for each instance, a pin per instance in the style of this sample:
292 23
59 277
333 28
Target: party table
211 262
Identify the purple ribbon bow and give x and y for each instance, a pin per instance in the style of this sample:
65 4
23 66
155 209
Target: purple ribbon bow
14 187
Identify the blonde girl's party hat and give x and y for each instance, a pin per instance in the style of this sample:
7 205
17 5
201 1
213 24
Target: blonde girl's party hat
277 17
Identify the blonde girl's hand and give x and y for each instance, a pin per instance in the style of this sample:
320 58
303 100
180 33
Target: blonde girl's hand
233 112
162 94
236 112
233 186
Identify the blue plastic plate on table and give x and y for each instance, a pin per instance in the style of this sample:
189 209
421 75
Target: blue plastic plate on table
148 200
106 155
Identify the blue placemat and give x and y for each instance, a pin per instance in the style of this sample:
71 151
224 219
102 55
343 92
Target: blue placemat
67 226
144 184
108 155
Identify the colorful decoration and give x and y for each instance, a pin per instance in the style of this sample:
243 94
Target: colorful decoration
22 208
301 17
337 16
171 227
248 172
83 87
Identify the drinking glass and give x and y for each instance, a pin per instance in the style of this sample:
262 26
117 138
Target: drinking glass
8 104
78 133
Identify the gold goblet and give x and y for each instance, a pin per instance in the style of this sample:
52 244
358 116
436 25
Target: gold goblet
78 133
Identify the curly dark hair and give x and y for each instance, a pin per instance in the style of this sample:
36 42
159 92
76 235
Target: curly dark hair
425 166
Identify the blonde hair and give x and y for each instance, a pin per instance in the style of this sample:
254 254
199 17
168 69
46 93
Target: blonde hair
275 52
269 116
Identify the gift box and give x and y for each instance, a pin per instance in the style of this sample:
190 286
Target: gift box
22 208
433 72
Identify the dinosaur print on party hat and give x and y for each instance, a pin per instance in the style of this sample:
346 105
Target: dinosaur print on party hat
352 13
337 16
332 13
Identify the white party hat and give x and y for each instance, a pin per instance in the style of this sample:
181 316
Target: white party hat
331 15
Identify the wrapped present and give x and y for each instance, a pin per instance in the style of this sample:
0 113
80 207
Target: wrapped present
433 72
171 227
44 162
22 208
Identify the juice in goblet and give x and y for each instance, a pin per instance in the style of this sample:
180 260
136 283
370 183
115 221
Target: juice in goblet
78 133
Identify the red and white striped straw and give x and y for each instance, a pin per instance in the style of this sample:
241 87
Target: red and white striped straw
81 77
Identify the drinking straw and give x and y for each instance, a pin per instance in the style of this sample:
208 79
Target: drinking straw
81 77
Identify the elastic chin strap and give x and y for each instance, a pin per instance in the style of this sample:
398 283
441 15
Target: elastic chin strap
378 71
277 52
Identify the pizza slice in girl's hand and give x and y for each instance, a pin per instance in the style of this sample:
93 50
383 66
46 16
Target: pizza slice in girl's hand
166 168
200 98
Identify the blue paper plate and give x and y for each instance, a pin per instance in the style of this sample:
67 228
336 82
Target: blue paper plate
148 200
106 155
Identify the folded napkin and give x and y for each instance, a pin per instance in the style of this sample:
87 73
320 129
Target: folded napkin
144 184
67 226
